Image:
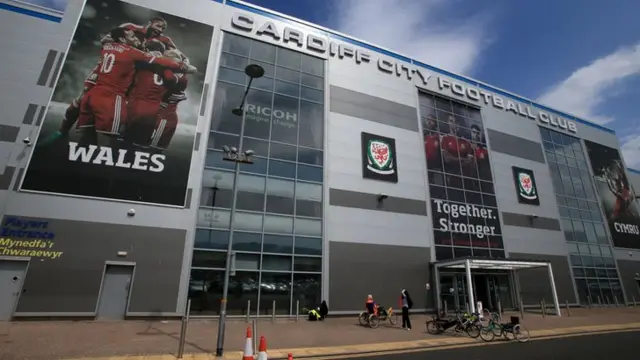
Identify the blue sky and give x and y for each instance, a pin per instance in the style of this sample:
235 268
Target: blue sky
580 56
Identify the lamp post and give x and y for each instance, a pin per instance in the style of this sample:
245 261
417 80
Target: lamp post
238 156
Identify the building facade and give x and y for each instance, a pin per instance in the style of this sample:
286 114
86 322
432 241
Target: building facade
367 168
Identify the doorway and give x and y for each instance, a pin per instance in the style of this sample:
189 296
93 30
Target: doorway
488 288
12 275
114 295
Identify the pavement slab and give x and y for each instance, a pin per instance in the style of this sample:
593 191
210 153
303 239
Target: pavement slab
158 340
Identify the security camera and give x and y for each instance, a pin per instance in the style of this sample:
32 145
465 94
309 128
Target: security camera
234 149
27 141
534 216
249 152
226 148
382 196
131 212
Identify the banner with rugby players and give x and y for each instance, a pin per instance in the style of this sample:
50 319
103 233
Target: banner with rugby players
122 119
620 202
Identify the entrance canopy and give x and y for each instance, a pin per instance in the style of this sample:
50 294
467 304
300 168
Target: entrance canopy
471 263
490 264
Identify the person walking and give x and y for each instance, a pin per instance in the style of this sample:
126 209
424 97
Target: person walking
406 303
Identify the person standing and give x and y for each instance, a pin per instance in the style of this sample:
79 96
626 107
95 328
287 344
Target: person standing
407 304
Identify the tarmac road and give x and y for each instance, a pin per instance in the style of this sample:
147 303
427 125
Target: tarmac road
622 345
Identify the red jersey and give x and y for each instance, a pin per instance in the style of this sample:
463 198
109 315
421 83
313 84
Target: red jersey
142 33
151 86
118 66
176 92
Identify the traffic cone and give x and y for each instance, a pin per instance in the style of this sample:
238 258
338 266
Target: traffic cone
248 347
290 356
262 350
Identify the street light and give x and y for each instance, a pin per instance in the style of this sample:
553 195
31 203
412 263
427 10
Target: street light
238 156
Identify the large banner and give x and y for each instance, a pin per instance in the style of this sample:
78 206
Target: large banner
122 119
616 195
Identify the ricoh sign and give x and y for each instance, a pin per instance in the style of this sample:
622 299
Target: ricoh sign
479 96
322 46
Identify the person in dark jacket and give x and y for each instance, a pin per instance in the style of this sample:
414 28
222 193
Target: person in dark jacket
406 303
324 310
319 313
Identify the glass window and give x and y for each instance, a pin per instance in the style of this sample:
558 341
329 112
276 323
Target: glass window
209 259
276 263
263 52
444 252
247 261
216 188
234 61
312 65
287 88
310 156
213 218
308 227
236 44
290 76
278 244
313 82
259 147
310 94
227 98
308 199
218 140
211 239
282 151
280 196
307 290
258 166
311 125
285 119
309 173
308 245
288 58
282 169
278 224
307 264
250 195
258 114
243 241
233 76
275 288
247 221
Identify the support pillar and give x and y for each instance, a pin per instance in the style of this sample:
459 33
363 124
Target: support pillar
472 301
436 285
556 304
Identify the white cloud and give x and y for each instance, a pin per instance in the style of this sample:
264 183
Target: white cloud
424 30
631 149
590 86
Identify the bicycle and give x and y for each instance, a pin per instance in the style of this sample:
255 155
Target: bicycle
468 323
373 320
506 330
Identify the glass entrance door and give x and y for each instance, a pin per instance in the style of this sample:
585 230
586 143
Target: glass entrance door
453 292
499 290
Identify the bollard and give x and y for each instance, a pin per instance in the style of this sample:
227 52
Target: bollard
607 300
297 310
445 308
521 309
467 307
248 310
183 330
273 312
589 302
542 308
615 300
634 301
255 336
599 301
566 302
499 311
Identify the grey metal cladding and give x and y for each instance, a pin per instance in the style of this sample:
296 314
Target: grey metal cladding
5 178
203 103
30 114
403 265
196 143
535 284
189 193
523 220
362 106
9 133
628 270
46 68
515 146
41 113
366 201
16 184
54 76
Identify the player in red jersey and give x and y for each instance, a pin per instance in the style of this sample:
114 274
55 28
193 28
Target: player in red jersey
103 108
146 96
167 120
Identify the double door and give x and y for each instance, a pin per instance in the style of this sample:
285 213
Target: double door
490 289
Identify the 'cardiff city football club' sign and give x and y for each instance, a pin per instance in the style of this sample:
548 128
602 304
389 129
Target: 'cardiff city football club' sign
525 186
379 158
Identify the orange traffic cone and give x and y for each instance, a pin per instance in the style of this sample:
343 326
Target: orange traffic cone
248 347
290 356
262 350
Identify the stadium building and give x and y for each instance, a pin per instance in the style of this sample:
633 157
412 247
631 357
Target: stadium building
125 172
